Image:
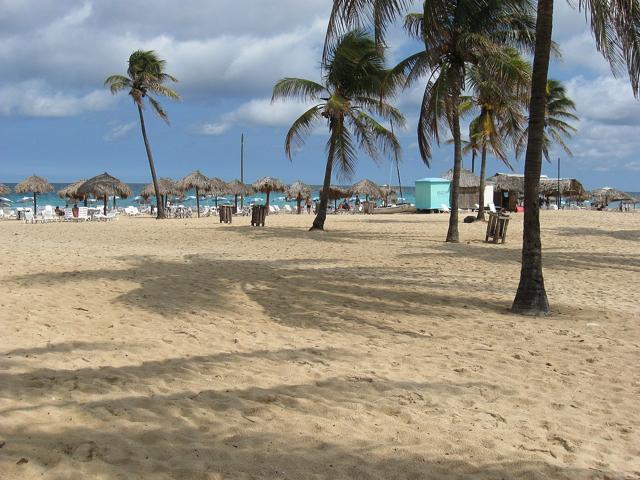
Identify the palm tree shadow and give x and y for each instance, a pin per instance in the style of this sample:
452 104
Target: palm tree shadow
631 235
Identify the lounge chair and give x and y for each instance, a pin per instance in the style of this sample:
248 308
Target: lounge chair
444 208
288 209
83 214
29 217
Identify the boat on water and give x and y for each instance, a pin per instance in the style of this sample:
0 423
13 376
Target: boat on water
402 208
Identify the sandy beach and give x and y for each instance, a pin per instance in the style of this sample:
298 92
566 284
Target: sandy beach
186 349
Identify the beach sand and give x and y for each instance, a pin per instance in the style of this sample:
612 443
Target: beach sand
186 349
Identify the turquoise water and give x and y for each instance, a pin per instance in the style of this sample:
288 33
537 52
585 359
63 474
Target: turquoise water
276 198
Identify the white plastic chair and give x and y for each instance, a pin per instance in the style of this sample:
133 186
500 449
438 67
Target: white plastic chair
28 217
444 208
83 214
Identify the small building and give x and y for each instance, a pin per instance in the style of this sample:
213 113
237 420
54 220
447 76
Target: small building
432 194
469 189
509 189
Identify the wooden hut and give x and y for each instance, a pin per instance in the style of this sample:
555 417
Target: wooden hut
507 189
469 189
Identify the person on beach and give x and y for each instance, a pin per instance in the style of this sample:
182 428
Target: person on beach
59 212
75 211
308 206
357 201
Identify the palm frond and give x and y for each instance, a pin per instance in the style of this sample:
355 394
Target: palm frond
299 88
300 128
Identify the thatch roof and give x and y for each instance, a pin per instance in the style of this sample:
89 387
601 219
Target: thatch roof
467 178
298 191
104 184
608 194
507 182
34 184
336 192
269 184
71 191
569 187
367 188
4 189
165 185
238 188
217 186
193 180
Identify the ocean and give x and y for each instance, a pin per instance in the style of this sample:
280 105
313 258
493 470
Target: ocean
276 198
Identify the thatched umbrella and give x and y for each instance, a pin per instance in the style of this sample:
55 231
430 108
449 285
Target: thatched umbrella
4 189
268 185
70 192
166 187
217 187
569 187
388 193
104 185
194 180
607 194
237 188
35 185
298 191
335 193
368 189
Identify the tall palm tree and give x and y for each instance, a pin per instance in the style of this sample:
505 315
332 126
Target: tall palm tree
500 93
457 36
558 113
354 82
616 28
146 76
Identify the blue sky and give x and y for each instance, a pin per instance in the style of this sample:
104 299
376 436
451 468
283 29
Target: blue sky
58 121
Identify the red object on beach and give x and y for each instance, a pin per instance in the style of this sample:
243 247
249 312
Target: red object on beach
519 209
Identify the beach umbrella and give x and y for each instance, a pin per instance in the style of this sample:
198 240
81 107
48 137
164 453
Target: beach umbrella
35 185
607 194
194 180
4 189
217 187
103 186
237 188
166 187
70 192
388 193
268 185
298 191
335 193
368 189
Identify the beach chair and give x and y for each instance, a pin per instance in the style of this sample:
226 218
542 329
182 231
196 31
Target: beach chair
288 209
29 217
444 208
47 214
83 214
112 215
492 208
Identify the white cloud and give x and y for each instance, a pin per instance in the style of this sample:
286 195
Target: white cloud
213 128
34 98
119 131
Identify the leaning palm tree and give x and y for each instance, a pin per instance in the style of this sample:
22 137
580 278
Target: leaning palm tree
558 113
146 76
351 93
457 36
500 96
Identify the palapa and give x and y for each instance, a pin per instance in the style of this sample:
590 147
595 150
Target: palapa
103 186
197 181
268 185
335 193
607 194
70 192
368 189
508 183
237 188
216 188
35 185
569 187
298 191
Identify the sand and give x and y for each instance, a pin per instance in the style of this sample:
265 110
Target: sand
186 349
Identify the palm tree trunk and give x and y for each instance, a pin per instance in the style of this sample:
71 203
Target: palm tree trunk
105 204
152 167
452 233
483 168
321 216
35 203
235 198
531 297
198 201
267 202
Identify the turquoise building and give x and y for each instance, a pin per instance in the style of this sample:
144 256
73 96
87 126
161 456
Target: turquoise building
432 194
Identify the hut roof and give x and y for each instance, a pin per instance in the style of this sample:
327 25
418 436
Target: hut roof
269 184
71 191
4 189
569 187
508 182
368 188
236 187
467 178
298 190
193 180
608 194
165 185
34 184
104 184
336 192
217 186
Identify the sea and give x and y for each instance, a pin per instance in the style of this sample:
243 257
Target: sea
189 199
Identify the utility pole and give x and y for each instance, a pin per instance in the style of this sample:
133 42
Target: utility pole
397 164
242 167
559 198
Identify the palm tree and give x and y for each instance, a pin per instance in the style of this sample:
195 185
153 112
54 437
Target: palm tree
615 26
145 76
500 93
351 92
557 114
456 36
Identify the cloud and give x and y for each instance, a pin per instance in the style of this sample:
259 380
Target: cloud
213 128
119 130
34 98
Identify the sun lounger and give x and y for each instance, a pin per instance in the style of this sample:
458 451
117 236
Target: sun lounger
444 208
28 217
83 214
